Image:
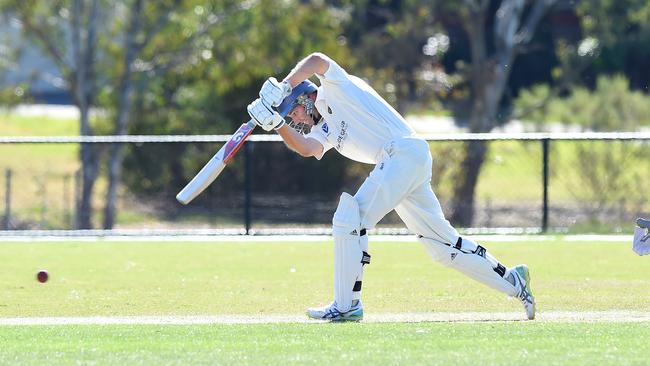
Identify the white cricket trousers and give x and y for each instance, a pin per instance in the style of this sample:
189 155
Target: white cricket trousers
401 181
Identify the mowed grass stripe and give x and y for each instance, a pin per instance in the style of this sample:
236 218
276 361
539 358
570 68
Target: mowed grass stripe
119 279
506 343
550 316
167 278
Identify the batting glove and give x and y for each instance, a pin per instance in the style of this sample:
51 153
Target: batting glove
274 92
264 116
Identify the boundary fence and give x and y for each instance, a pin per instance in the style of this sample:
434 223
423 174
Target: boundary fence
545 139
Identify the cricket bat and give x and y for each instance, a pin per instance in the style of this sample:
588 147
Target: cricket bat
215 166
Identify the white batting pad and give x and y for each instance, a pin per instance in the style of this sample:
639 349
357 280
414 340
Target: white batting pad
473 265
346 227
641 243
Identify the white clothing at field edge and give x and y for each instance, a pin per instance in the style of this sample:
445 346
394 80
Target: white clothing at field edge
641 242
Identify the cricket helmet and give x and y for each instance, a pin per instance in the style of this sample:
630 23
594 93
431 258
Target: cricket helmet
299 96
296 97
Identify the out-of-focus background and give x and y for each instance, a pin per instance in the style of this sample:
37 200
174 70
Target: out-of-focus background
573 71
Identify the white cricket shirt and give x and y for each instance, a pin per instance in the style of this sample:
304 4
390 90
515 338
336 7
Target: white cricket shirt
357 122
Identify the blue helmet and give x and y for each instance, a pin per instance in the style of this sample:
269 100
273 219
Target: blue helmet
305 87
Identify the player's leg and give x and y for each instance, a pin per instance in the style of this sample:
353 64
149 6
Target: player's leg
423 215
641 241
350 255
391 180
403 169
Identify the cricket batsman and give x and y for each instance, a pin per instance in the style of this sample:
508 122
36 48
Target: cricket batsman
346 114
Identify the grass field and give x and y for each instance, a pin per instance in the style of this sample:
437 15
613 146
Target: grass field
42 174
327 344
106 278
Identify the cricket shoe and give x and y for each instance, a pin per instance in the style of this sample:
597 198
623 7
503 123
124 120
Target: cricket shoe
330 312
522 282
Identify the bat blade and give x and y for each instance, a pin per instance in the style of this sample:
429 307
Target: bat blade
216 164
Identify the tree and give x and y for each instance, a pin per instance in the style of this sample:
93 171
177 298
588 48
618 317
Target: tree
497 31
387 39
11 93
621 33
66 31
512 27
83 38
209 96
149 33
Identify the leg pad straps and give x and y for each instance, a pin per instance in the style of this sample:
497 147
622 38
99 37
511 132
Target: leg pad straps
357 286
500 269
365 258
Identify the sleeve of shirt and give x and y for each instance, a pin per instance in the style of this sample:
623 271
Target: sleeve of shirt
335 74
318 135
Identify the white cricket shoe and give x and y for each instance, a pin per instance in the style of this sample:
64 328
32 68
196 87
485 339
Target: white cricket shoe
522 282
330 312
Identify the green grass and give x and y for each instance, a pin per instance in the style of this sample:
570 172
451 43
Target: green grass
326 344
15 125
29 159
512 173
197 278
120 278
39 171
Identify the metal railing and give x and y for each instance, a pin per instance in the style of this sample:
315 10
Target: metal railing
545 140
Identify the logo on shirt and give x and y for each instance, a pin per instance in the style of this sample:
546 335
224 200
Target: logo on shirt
342 135
325 128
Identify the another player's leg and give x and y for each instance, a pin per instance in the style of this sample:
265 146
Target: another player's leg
641 241
422 213
350 255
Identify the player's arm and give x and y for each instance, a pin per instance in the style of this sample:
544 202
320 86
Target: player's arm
269 119
273 92
297 142
316 63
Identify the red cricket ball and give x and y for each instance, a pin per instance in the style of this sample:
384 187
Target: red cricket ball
42 276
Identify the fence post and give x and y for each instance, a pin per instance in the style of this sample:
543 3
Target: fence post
545 146
67 217
248 171
77 197
7 217
42 190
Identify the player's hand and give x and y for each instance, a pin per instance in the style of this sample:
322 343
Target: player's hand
273 92
265 116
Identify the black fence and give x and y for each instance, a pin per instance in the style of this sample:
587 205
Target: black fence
589 182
